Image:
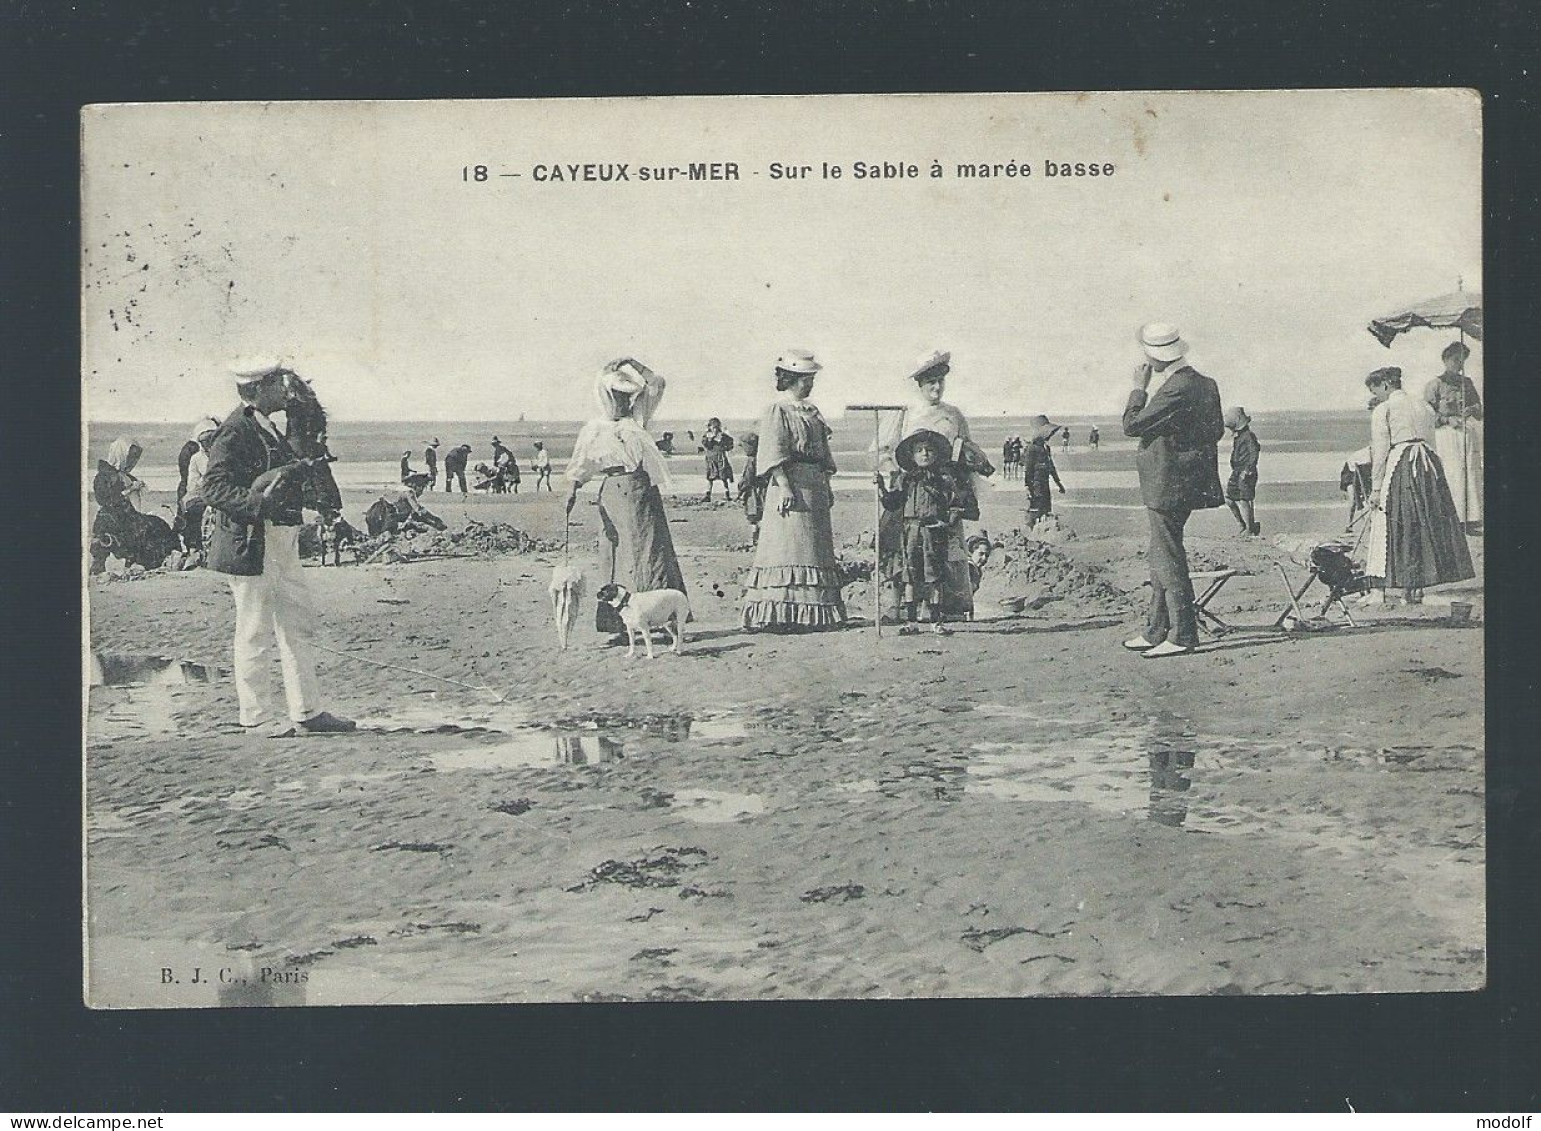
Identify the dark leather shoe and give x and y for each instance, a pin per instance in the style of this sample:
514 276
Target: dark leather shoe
327 723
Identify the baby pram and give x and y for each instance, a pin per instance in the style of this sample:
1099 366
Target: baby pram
1332 564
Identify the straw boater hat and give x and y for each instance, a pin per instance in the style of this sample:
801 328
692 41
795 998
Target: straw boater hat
937 363
1043 428
904 453
247 369
797 361
1162 341
1236 417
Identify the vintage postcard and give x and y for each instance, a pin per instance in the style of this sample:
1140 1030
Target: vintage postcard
802 547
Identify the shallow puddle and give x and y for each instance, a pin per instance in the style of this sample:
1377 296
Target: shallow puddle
131 669
135 695
532 749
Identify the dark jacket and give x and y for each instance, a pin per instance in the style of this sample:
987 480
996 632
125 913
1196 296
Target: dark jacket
243 450
1245 449
1179 430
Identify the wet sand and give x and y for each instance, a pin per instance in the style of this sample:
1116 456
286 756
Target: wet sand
1022 808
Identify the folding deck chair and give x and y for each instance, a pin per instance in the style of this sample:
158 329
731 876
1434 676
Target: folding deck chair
1214 581
1333 565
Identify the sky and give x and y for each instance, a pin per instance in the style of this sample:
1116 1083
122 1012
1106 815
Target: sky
1269 226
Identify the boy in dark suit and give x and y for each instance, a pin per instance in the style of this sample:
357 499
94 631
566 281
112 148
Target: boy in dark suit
1179 428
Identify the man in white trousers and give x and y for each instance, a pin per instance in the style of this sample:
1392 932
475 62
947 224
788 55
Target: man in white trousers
252 486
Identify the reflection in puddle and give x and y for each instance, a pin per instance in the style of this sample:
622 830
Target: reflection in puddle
139 693
128 669
714 807
1144 769
537 748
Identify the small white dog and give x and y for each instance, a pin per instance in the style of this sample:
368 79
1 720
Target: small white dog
643 612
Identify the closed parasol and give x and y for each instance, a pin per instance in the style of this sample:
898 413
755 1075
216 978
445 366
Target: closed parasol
1458 310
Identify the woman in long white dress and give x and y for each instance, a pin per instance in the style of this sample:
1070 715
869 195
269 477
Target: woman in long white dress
1415 538
635 547
927 412
1458 431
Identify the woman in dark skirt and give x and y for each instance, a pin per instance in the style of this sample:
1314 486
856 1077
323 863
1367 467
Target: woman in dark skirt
635 549
1415 537
119 529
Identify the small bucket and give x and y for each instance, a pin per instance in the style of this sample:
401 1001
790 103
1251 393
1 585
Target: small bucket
1460 612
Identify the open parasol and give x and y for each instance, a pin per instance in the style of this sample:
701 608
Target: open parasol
1458 310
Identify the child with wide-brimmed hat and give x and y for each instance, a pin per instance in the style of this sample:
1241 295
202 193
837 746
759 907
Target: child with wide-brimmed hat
928 499
1038 470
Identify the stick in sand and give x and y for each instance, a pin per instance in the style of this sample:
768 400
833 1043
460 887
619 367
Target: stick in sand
877 411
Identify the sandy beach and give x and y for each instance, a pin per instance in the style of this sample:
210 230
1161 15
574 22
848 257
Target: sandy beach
1022 808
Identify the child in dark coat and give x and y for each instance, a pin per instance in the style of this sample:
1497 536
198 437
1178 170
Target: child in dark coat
1241 488
751 488
929 498
1038 470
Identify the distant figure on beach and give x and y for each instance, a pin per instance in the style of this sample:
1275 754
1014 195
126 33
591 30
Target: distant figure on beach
1179 428
191 507
1458 433
414 481
929 501
1038 471
931 412
1241 488
1010 454
256 541
1064 439
510 471
1416 538
542 465
751 486
119 529
717 444
636 549
455 468
431 458
666 445
794 583
500 453
1094 438
398 511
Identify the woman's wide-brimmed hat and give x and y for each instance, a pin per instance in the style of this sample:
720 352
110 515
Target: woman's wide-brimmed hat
1162 341
1236 417
797 361
934 365
1044 428
904 452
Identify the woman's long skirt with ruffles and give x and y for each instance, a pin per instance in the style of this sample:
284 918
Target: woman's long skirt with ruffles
794 583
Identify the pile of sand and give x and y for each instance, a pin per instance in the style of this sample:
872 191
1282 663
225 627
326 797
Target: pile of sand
1028 567
477 539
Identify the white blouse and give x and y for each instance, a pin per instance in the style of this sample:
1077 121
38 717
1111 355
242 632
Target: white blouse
1398 419
624 444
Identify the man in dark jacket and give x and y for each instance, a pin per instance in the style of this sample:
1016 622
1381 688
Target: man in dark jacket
431 458
252 486
455 467
1179 428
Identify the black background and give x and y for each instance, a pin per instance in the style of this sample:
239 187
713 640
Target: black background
1465 1052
